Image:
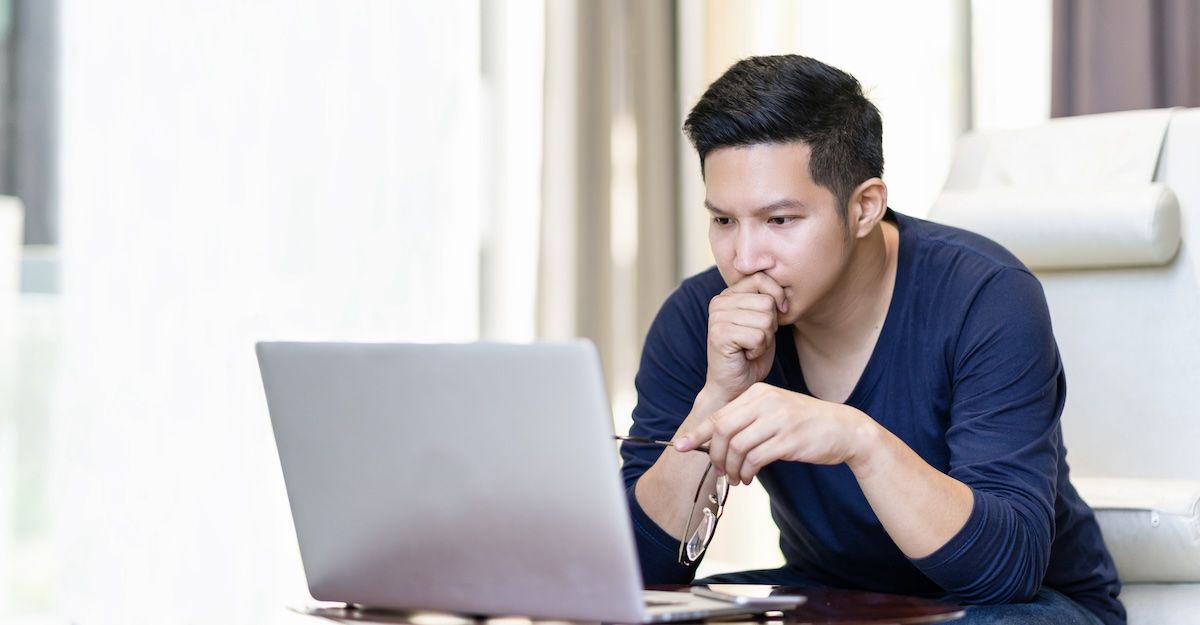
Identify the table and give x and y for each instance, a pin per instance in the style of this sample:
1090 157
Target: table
824 606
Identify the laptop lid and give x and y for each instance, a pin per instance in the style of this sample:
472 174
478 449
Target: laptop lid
477 478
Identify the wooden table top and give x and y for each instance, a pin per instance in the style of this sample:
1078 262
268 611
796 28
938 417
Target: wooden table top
826 606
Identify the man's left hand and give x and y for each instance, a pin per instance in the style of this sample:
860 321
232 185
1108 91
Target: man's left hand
767 423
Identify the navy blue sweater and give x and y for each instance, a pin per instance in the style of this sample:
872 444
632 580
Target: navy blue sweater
966 372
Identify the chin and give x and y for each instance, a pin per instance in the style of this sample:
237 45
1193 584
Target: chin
791 316
797 308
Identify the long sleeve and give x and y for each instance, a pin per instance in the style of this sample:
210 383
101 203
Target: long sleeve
1004 440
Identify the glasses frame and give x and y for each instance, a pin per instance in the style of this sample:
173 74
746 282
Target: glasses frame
717 499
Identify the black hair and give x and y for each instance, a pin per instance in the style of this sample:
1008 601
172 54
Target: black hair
780 99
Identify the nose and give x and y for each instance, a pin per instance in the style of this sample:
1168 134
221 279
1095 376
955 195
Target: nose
750 253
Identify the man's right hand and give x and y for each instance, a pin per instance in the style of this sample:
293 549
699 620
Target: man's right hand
742 322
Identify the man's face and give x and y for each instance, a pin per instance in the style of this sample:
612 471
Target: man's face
769 216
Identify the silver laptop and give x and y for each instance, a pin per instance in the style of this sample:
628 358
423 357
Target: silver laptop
472 478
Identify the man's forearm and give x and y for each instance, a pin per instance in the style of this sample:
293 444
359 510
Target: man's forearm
920 507
666 489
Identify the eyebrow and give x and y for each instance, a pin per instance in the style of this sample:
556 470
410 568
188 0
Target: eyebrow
786 203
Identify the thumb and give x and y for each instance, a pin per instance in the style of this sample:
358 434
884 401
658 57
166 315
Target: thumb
696 437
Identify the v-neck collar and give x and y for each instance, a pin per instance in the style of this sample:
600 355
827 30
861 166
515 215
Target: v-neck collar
785 342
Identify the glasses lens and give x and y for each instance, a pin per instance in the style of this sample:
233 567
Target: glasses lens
703 534
720 492
702 522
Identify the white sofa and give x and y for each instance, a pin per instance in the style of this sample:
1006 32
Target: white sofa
1106 210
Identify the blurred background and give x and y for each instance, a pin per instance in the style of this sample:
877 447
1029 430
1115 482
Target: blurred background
196 175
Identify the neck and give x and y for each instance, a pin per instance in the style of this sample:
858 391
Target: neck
851 315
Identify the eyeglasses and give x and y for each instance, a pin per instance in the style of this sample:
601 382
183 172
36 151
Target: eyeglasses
707 506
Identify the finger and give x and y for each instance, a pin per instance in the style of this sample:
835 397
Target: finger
731 339
732 335
769 451
743 444
761 283
695 437
746 425
750 318
726 424
731 300
717 444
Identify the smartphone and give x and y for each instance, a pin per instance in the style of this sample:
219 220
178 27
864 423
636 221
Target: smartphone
749 594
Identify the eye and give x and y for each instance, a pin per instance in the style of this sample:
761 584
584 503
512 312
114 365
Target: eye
780 220
721 221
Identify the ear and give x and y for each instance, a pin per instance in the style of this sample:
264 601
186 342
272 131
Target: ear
866 208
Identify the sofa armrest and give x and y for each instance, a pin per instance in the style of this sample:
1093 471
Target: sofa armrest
1151 527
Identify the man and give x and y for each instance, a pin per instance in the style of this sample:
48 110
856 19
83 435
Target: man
894 383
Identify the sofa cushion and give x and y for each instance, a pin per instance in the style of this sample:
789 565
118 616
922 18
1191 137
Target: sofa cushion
1161 604
1151 527
1070 228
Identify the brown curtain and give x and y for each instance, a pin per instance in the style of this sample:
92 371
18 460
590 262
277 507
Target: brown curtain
609 190
1118 55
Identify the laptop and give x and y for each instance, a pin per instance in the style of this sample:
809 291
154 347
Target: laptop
471 478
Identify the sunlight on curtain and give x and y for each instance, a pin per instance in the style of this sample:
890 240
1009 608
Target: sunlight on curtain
235 171
1010 50
513 49
911 61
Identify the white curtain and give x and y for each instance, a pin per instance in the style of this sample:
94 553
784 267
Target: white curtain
234 171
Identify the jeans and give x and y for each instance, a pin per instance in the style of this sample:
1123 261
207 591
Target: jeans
1049 607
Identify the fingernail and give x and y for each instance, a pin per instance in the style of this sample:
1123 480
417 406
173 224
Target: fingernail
682 444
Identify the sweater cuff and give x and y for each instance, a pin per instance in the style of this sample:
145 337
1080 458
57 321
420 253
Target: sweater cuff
956 562
657 550
986 562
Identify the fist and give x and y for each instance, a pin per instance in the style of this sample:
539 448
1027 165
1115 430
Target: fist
742 321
